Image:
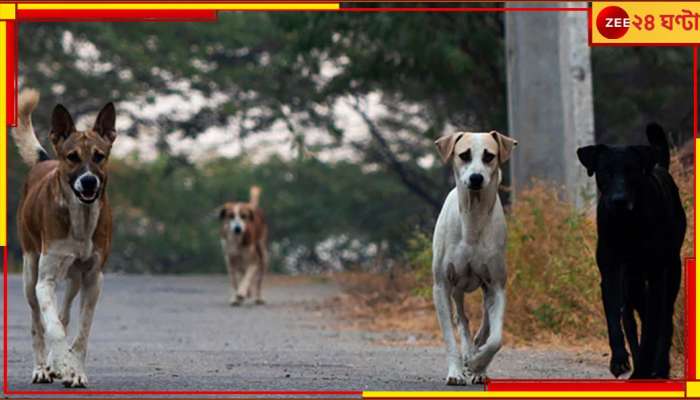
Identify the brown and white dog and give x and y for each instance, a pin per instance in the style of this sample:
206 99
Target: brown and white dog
244 243
65 229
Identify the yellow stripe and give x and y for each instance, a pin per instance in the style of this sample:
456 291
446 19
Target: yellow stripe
539 395
7 11
179 6
692 389
3 135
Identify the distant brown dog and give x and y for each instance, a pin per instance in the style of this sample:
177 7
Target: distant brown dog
65 229
244 243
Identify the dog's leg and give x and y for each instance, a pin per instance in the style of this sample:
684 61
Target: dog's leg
630 326
74 279
262 256
40 374
246 282
483 332
612 289
667 289
52 267
496 300
467 347
634 294
441 297
90 292
673 286
651 329
233 277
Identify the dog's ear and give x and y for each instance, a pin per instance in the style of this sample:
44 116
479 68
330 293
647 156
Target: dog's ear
106 121
222 212
61 124
446 145
505 146
647 157
588 155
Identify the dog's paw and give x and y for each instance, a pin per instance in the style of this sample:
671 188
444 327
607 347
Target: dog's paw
236 300
620 365
57 363
41 374
476 378
66 366
455 378
76 378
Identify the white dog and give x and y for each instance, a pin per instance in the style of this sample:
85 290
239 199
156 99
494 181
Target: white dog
469 250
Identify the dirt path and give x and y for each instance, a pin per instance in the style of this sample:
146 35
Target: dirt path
178 333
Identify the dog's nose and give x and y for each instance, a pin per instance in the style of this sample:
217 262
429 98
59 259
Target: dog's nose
618 200
475 181
88 183
237 229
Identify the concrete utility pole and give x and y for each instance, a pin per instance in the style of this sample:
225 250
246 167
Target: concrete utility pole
550 98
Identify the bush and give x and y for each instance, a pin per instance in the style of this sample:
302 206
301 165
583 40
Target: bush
553 278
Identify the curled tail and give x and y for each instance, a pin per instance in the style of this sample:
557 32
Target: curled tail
657 140
29 147
255 196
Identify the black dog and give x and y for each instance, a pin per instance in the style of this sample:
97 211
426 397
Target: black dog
641 226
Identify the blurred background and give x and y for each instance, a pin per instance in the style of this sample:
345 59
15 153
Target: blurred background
334 115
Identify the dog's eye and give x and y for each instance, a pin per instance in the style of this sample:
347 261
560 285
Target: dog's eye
243 216
98 157
466 156
73 157
488 157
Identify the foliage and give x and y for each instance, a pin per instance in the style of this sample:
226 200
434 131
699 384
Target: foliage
633 86
420 257
551 261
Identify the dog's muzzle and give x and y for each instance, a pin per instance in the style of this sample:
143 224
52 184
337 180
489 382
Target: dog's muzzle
236 228
476 181
621 202
87 188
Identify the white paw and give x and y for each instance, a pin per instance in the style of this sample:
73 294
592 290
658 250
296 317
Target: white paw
41 374
455 377
66 366
236 300
476 378
75 379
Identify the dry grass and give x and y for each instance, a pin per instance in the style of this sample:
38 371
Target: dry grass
553 289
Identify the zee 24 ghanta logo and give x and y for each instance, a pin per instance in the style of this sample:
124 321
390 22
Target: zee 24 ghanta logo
613 22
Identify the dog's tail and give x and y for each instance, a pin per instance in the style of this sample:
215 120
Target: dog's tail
657 140
255 196
29 147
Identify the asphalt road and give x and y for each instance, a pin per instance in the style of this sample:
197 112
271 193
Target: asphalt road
179 333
